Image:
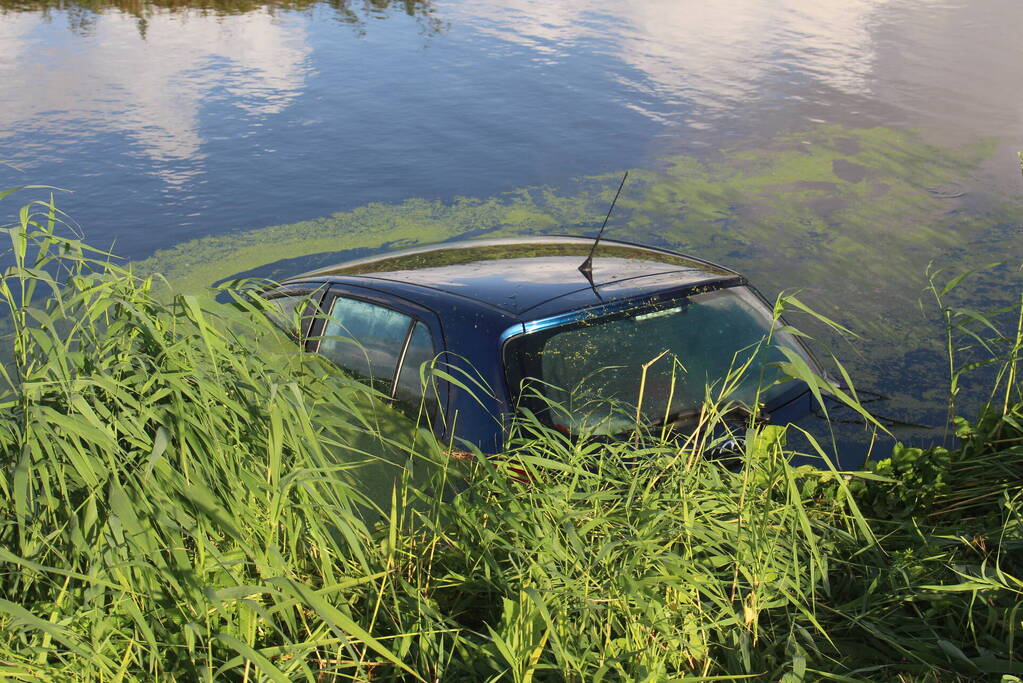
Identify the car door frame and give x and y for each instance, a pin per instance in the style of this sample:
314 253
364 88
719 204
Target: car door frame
417 312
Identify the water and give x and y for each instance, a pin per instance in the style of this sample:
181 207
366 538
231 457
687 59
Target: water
835 147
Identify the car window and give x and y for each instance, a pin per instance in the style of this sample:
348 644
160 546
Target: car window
365 339
412 385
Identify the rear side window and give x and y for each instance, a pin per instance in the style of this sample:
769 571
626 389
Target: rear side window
371 342
366 340
412 384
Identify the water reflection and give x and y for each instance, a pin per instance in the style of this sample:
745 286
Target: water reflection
150 87
712 54
950 61
82 15
145 72
81 12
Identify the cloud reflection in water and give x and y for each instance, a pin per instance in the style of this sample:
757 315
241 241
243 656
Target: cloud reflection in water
152 86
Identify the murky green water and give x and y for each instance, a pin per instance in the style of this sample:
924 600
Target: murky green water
835 148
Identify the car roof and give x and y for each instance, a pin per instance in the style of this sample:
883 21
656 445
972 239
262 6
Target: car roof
528 277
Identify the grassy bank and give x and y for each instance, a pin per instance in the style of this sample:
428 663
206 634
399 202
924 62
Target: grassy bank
185 497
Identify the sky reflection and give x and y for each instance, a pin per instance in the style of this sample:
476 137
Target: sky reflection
149 87
715 54
952 63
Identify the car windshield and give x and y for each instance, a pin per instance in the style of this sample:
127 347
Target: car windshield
591 372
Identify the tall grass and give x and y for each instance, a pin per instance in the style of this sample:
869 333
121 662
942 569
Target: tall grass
186 497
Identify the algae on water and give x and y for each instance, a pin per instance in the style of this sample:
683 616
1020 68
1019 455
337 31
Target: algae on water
851 217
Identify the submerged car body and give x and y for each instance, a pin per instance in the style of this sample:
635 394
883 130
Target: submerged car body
514 322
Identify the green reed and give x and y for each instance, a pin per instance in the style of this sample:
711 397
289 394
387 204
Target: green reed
185 496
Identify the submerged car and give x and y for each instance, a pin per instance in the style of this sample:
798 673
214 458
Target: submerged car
638 337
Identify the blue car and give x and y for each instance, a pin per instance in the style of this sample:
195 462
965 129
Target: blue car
642 334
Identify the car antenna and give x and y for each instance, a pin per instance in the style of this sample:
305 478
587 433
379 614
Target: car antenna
587 266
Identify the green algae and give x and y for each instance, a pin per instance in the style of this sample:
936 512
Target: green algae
196 264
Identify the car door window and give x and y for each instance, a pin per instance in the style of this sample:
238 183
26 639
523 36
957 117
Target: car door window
365 339
413 386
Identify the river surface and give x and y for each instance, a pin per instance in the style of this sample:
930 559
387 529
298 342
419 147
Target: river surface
835 147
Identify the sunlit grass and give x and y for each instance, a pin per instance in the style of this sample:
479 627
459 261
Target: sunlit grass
187 497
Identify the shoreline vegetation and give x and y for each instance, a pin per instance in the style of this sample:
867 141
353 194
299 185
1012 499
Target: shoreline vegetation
346 9
82 14
188 497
